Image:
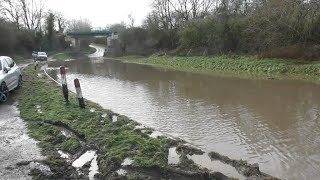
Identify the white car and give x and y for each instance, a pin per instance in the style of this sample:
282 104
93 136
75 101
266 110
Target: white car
41 56
10 77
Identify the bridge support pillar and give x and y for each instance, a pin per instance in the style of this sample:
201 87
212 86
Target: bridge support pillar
77 44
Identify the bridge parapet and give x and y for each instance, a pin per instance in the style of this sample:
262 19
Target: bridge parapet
91 33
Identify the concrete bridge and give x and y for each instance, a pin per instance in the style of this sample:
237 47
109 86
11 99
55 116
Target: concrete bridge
75 37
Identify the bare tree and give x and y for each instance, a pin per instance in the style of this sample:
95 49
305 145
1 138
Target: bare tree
131 20
12 11
61 21
79 25
26 13
32 13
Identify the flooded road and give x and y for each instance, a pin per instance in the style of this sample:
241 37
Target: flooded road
270 122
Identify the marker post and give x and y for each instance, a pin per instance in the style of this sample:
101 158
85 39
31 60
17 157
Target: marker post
79 93
64 84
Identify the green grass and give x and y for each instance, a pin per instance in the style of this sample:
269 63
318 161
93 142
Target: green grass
62 56
89 50
21 59
240 65
115 140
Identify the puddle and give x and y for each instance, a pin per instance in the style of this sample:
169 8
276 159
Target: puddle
156 134
173 157
215 166
92 110
69 60
63 155
204 161
83 159
67 133
40 75
43 168
94 168
122 172
104 115
39 109
114 118
127 162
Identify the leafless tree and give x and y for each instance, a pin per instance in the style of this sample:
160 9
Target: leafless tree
79 25
131 20
12 12
61 21
32 13
26 13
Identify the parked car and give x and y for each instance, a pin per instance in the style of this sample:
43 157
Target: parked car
41 56
10 77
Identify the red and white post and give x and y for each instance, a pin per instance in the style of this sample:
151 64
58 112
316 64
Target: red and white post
64 83
79 93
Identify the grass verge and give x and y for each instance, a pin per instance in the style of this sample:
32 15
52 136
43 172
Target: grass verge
89 50
62 56
240 65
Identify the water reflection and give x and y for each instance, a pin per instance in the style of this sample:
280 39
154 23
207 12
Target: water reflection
274 123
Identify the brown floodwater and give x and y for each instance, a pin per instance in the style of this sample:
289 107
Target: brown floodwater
271 122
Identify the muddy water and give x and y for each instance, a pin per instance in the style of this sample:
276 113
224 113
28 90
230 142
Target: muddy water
270 122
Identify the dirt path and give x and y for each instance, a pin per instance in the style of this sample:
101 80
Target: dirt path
15 144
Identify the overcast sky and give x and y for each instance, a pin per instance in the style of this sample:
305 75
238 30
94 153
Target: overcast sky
102 12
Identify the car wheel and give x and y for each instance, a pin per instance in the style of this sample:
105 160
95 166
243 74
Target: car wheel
4 92
19 83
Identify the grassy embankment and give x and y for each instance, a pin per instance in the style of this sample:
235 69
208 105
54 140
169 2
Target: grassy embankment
114 141
240 66
71 55
89 50
62 56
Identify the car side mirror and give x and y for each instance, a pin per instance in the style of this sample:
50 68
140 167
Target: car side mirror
6 69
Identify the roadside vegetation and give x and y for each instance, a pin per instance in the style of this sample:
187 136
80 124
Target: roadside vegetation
267 28
89 50
67 54
234 65
62 56
28 25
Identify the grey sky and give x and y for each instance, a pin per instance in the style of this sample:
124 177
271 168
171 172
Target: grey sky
102 12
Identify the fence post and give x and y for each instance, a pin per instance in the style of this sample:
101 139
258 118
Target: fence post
64 83
79 93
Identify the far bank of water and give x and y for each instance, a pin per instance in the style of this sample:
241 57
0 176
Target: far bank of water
235 66
274 123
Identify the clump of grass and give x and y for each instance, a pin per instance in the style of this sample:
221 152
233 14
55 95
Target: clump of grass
62 56
89 50
20 59
71 145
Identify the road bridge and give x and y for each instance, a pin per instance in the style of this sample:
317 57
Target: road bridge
75 37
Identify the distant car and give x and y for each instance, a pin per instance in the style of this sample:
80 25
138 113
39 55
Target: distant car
10 77
41 56
34 55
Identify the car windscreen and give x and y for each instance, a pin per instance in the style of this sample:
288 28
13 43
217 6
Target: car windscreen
41 53
0 66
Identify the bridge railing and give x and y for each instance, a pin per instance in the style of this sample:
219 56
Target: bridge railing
91 33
